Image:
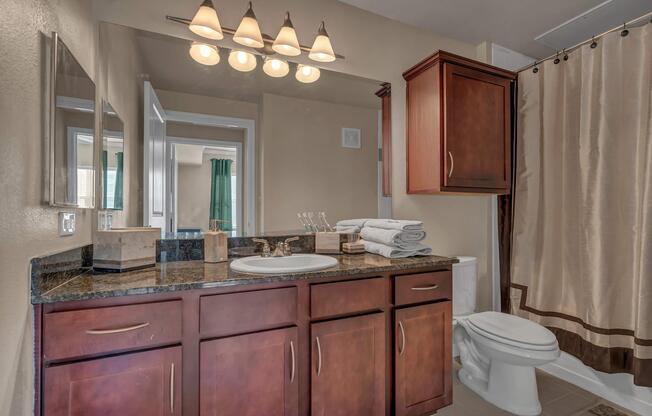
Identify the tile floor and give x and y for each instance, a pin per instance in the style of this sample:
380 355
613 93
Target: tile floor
557 397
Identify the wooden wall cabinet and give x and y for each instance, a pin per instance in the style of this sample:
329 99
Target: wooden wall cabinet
375 345
458 126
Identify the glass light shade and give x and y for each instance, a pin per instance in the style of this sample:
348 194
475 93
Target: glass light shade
242 61
307 73
286 42
248 32
322 50
275 67
206 23
204 53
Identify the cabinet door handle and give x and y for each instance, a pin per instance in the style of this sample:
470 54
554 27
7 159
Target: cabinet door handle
450 172
293 362
401 347
116 330
172 388
318 356
433 287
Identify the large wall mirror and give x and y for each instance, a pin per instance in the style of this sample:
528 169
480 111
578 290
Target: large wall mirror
242 146
112 158
72 130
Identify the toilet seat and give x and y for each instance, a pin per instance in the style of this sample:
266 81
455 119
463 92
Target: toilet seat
512 330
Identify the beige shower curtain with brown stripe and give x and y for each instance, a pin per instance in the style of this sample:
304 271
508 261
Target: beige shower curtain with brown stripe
582 236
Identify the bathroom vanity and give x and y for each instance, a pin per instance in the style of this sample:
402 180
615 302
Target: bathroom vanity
370 336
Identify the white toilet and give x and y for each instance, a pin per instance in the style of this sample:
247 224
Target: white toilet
498 351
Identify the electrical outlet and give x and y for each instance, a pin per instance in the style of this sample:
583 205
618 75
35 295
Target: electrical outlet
66 223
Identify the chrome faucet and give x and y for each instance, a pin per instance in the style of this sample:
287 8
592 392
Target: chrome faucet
282 249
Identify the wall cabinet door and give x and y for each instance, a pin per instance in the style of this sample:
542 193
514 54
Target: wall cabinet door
477 129
250 375
138 384
348 366
423 358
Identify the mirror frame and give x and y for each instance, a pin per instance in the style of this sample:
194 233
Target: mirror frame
100 168
54 55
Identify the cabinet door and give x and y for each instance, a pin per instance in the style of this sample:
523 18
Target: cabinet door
476 130
138 384
423 358
348 366
250 375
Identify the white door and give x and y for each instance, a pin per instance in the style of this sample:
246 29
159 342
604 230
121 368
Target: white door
153 160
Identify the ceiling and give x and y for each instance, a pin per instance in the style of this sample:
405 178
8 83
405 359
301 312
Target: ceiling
511 23
170 67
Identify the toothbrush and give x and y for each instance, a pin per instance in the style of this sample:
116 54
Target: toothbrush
327 226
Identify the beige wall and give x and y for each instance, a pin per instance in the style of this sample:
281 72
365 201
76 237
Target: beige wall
29 228
305 167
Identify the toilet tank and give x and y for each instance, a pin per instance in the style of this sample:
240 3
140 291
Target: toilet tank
465 279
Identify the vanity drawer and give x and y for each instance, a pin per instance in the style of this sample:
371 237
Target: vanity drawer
236 313
422 287
88 332
339 298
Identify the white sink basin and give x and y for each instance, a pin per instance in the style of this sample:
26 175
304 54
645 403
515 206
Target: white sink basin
290 264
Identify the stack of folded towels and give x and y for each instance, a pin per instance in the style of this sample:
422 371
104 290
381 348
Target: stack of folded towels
389 238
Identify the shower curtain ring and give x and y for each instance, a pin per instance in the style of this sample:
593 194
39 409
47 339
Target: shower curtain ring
624 32
536 68
556 61
565 55
594 44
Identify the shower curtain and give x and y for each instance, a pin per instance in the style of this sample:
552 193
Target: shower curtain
581 260
220 208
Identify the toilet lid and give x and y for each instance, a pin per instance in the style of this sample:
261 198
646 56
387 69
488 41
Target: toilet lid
511 328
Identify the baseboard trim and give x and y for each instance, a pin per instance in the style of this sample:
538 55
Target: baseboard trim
611 387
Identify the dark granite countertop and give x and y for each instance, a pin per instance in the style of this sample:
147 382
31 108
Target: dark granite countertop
185 275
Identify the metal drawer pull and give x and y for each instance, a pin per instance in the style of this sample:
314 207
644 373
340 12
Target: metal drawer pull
116 330
401 347
293 364
318 356
450 172
172 388
433 287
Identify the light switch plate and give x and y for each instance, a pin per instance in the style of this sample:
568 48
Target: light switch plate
350 138
66 223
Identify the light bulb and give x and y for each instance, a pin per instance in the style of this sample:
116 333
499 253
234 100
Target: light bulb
307 73
242 61
242 57
275 67
204 53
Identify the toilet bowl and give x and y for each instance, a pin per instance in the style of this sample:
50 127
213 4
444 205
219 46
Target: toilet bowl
498 351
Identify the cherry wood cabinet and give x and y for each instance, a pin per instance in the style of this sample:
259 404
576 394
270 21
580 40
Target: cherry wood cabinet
348 366
250 375
136 384
423 359
458 126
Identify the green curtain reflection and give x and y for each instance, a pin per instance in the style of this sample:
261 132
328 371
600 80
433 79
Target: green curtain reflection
221 192
119 175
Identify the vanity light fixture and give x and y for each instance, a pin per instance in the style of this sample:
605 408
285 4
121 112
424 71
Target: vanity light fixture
286 42
275 67
204 53
242 61
206 23
322 50
307 73
248 33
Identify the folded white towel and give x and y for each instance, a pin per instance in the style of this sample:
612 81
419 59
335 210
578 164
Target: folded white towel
403 225
395 252
357 222
347 228
406 240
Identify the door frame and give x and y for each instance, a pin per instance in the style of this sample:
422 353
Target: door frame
248 225
172 177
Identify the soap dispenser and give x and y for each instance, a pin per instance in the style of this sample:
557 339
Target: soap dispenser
215 243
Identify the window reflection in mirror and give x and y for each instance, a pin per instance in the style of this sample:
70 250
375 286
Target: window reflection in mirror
72 131
112 158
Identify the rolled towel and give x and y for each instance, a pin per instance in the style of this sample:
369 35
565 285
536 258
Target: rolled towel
403 225
357 222
395 252
402 239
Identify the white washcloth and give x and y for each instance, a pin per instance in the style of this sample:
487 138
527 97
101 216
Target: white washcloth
406 240
403 225
395 252
358 222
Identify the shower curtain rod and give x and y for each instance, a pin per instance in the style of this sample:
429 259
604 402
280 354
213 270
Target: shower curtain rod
572 48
